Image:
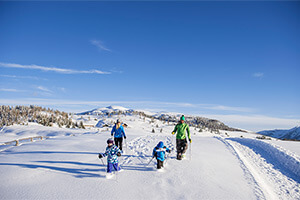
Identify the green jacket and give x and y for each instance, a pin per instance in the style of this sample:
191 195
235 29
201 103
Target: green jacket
181 128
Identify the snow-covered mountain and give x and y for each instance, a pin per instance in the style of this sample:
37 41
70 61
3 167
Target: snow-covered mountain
290 134
196 121
106 111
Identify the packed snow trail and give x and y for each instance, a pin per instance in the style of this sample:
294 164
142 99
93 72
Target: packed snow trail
69 168
64 168
276 172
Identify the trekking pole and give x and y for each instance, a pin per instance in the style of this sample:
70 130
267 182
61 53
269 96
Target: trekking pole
169 155
102 162
116 172
166 159
149 161
190 151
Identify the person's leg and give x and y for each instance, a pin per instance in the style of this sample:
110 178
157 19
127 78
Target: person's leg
159 164
184 146
116 167
109 167
178 148
116 141
120 143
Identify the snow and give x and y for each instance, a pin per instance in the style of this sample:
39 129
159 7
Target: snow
293 133
222 166
104 110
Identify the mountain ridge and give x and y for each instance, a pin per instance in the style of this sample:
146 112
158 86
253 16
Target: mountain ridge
284 134
196 121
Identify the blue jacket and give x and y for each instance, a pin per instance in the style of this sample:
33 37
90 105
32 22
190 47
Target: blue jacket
111 153
160 153
119 133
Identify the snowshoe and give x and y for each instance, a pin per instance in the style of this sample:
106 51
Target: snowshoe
110 175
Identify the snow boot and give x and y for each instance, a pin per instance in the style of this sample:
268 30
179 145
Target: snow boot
179 156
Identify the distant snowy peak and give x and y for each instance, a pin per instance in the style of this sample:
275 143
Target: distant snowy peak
105 110
195 121
291 134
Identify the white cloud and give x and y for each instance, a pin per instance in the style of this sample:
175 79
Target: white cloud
11 90
44 89
100 45
23 77
230 108
53 69
62 89
256 122
258 75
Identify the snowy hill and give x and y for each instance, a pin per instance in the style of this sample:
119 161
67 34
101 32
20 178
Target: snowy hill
199 122
291 134
106 111
224 165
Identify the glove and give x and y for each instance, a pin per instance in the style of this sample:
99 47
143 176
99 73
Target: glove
118 154
190 140
112 135
100 156
125 137
173 133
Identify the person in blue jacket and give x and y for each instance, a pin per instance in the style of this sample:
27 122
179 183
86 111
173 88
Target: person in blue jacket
118 133
112 152
159 153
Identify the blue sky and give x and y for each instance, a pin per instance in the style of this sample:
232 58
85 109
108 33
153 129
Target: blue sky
227 60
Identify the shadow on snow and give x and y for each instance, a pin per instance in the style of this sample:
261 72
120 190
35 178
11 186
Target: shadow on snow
79 171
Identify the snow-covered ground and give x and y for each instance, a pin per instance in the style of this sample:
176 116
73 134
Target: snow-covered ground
223 166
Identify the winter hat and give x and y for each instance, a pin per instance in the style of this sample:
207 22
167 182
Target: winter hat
110 141
182 118
118 121
160 144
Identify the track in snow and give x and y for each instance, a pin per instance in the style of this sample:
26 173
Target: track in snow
275 173
141 148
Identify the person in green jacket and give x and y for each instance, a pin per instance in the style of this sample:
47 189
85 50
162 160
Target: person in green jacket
181 142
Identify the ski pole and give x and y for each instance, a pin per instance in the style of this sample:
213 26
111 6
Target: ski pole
149 161
168 155
190 151
102 162
125 146
166 159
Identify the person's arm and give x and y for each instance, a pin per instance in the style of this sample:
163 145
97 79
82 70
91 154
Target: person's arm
113 130
168 150
123 132
188 132
175 129
154 152
106 152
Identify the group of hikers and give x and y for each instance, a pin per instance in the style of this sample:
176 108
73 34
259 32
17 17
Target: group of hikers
114 146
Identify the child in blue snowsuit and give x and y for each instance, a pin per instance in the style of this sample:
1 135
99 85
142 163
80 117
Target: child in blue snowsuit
112 152
118 133
159 153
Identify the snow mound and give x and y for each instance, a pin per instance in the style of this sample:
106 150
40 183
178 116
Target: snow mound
100 124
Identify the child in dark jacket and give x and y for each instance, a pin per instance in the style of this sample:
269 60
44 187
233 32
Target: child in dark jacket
159 153
112 152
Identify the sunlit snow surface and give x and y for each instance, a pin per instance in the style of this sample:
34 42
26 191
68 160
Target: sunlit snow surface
221 166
